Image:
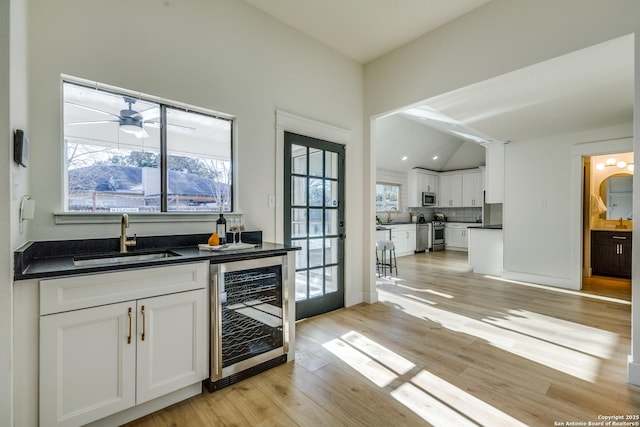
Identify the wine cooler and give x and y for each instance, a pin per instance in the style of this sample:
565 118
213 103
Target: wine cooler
249 326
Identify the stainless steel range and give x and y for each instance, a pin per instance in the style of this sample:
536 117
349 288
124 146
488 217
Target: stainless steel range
437 235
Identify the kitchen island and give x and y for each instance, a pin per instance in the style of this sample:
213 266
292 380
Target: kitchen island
485 250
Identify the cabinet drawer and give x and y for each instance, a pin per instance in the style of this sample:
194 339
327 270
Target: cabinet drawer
76 292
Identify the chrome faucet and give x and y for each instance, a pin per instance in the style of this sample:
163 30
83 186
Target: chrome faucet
124 240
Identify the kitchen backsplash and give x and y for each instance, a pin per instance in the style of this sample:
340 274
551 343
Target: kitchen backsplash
452 214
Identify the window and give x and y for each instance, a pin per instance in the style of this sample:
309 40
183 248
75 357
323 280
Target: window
126 153
387 197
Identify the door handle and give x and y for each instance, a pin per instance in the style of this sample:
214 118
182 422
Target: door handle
129 337
143 322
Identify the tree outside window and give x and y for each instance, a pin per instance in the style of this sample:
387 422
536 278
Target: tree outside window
387 197
131 154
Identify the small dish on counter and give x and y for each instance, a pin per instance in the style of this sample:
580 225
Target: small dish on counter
226 247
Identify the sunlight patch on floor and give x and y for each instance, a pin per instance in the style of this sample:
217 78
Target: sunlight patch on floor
561 290
582 338
481 412
574 361
428 408
422 300
433 399
369 368
393 361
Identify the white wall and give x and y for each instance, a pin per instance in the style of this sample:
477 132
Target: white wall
222 55
497 38
6 343
538 208
13 180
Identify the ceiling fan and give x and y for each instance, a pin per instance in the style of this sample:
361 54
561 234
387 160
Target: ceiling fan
129 120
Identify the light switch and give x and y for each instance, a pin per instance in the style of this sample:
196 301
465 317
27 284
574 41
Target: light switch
272 200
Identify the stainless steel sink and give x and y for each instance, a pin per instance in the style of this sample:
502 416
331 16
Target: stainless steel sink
83 261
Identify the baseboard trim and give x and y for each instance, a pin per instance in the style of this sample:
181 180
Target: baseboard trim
633 371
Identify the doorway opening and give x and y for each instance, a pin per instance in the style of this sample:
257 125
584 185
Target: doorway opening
607 225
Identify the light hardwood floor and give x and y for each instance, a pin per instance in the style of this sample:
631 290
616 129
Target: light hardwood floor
443 347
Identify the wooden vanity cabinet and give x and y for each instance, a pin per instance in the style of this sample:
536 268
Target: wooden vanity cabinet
611 253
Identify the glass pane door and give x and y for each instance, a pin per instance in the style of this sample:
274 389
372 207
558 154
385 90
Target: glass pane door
314 221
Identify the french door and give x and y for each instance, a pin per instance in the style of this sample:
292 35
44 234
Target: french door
314 221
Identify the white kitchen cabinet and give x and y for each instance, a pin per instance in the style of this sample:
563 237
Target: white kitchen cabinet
450 190
494 173
174 350
421 180
456 236
99 360
87 368
405 239
472 189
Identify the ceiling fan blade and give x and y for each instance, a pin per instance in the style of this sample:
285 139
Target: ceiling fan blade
91 109
171 126
94 122
150 113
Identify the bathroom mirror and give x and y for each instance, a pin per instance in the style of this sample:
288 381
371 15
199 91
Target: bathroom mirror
617 194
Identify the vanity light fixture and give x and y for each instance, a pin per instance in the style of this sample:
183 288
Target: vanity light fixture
620 164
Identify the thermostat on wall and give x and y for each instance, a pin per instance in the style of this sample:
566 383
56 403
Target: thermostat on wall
20 148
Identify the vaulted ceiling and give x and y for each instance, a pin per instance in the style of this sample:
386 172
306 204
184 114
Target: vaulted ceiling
586 89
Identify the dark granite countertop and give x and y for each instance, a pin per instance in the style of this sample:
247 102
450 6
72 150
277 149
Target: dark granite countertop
489 227
55 258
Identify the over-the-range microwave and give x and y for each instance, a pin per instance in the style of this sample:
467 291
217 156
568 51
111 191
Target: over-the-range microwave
428 199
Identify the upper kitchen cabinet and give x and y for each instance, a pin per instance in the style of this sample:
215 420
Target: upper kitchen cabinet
450 190
461 189
421 180
494 174
472 186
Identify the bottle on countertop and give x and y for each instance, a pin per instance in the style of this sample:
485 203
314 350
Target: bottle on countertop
221 227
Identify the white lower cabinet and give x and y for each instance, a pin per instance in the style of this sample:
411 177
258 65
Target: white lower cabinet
97 361
456 236
405 239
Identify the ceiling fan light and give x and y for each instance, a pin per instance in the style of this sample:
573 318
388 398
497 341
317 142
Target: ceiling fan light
621 164
129 128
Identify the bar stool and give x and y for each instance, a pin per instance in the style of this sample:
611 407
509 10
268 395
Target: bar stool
386 260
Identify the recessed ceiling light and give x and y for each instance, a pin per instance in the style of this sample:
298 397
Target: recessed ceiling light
404 157
435 157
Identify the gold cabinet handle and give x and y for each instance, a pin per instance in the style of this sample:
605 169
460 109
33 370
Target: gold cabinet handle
143 322
129 337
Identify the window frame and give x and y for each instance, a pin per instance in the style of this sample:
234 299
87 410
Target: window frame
388 184
70 217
